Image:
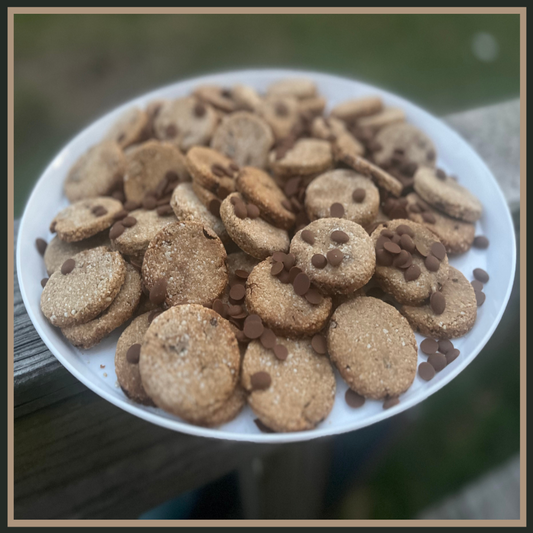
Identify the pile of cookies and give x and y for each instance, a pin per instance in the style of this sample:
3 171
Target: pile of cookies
255 243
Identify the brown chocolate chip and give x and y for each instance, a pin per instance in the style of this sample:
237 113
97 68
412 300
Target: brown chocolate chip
199 110
149 202
414 208
296 206
391 402
41 245
429 346
340 237
116 230
336 210
120 215
240 210
481 275
437 303
276 268
158 292
281 352
44 281
235 310
319 261
133 354
223 192
293 272
403 260
392 247
445 346
99 211
268 339
407 243
68 266
431 155
404 229
172 176
308 236
260 380
237 292
171 131
292 186
301 284
164 210
281 109
452 355
412 273
481 242
396 239
422 249
383 258
438 250
313 296
218 170
480 298
353 399
279 256
130 205
319 344
359 195
129 222
289 261
432 263
476 285
429 218
241 337
117 195
214 207
426 371
234 167
284 277
440 174
253 329
287 205
409 168
437 361
220 307
335 257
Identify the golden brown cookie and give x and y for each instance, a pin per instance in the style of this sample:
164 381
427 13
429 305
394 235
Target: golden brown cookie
258 188
185 263
255 236
355 192
212 170
306 157
358 107
373 347
459 314
83 287
130 128
280 307
96 172
281 113
189 362
127 362
386 117
336 254
301 388
228 411
246 98
91 333
85 218
216 96
294 87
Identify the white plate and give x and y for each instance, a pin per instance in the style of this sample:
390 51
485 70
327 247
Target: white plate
454 156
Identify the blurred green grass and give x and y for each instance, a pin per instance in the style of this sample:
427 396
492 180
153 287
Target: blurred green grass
71 69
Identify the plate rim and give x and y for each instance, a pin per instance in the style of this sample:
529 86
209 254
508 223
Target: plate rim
272 438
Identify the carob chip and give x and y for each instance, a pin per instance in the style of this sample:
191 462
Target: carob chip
452 355
392 247
339 236
99 211
253 329
334 257
164 210
440 174
437 303
358 195
477 285
149 202
235 310
268 339
158 292
391 402
223 192
44 281
214 207
336 210
306 235
129 222
432 263
353 399
240 210
407 243
220 307
313 296
120 215
481 275
412 273
403 260
279 256
252 211
242 274
276 268
281 352
319 261
480 298
429 346
383 258
426 371
429 218
261 380
133 354
218 170
301 284
42 244
116 230
481 242
437 361
68 266
237 292
287 205
284 276
438 250
289 261
445 346
199 110
319 344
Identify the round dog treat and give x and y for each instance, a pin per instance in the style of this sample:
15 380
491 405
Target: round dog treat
188 207
258 188
96 172
373 347
344 143
86 291
58 251
357 194
297 88
216 96
389 115
456 235
127 369
307 156
359 107
211 169
281 113
134 241
312 106
150 164
244 137
189 362
130 128
191 259
344 266
255 236
409 283
382 178
227 411
405 140
85 218
458 317
185 122
447 195
302 386
346 146
280 307
91 333
246 97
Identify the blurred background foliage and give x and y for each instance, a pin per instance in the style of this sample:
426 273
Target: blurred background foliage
71 69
